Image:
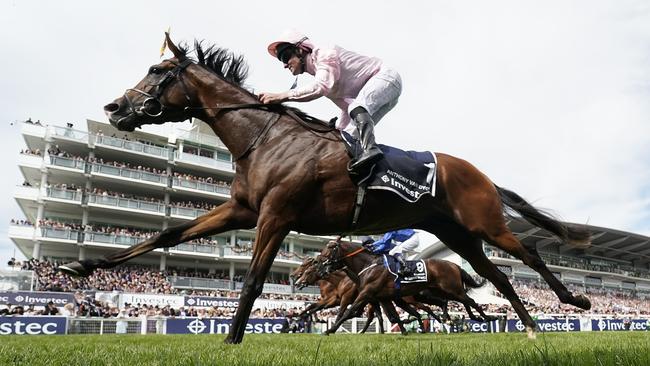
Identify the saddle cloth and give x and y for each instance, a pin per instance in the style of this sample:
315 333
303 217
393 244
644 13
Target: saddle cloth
409 174
418 270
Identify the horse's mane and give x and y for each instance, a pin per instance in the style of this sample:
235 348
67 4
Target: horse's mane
233 69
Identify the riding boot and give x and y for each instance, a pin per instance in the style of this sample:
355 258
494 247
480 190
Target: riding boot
403 269
371 153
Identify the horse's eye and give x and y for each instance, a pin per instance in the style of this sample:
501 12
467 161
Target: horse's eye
154 70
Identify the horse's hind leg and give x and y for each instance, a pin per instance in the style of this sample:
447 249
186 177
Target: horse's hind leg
470 248
501 237
228 216
409 309
370 316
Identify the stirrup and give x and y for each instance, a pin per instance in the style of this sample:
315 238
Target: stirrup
365 159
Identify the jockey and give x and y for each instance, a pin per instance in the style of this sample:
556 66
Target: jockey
407 240
361 86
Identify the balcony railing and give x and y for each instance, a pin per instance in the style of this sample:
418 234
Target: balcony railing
129 173
65 194
199 283
197 248
111 238
200 186
203 160
187 211
128 203
67 162
71 134
202 138
59 233
133 146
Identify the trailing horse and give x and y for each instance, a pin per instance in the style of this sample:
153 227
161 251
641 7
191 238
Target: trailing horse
311 272
291 174
444 280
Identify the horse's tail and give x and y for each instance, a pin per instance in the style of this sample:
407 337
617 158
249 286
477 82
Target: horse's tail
569 234
469 281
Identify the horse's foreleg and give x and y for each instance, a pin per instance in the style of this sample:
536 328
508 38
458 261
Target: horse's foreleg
228 216
409 309
351 311
370 316
271 230
393 316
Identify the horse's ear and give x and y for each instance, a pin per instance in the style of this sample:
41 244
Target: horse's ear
172 47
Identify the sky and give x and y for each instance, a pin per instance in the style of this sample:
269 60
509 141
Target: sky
550 99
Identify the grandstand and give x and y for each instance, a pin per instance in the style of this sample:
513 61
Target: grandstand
88 193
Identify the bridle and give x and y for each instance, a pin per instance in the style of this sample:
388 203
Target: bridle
152 106
334 261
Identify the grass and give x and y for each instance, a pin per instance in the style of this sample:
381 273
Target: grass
597 348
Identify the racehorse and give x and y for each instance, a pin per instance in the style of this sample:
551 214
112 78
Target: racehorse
445 279
311 272
337 290
291 174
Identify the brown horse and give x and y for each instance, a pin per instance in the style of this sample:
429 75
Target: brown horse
336 290
445 279
311 272
292 175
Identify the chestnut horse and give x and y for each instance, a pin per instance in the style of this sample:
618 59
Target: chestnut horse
311 272
336 290
291 174
444 279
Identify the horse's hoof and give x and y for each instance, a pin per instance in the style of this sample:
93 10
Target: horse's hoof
326 334
75 269
582 302
531 333
229 340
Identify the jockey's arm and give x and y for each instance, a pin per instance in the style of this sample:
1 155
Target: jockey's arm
328 71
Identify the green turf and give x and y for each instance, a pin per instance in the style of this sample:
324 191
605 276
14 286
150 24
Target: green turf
606 348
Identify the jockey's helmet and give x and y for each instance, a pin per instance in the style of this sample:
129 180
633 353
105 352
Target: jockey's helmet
290 38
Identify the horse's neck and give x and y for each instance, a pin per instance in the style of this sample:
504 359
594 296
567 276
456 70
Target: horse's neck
335 277
358 262
236 128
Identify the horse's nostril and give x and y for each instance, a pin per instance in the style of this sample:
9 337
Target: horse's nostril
111 107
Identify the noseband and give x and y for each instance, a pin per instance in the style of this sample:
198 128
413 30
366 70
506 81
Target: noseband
152 106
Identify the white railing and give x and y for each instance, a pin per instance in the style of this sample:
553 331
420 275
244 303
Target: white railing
59 233
129 173
67 162
127 203
34 161
112 238
201 138
70 133
204 161
136 146
200 186
65 194
187 212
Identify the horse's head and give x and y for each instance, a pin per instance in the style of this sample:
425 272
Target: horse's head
161 96
310 275
330 258
297 273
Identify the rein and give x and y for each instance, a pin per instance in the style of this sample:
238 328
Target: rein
269 108
351 254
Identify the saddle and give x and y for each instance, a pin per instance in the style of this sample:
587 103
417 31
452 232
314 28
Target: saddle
418 270
408 174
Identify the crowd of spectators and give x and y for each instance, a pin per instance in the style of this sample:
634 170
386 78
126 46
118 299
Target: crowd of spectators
578 263
35 152
192 204
56 151
537 297
540 299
